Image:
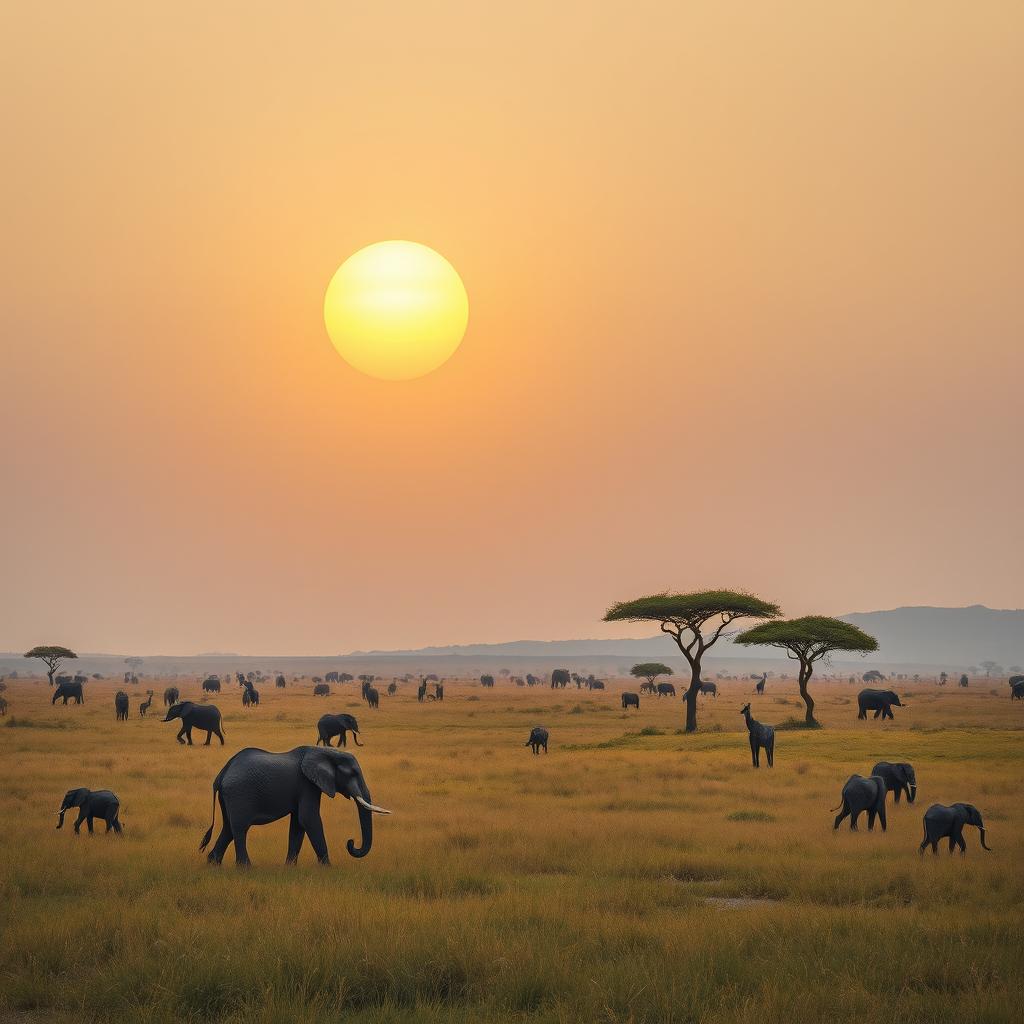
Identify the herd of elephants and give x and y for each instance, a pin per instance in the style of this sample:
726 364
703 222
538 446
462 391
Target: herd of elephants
256 787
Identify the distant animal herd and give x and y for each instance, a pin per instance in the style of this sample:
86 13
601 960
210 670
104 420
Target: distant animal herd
257 786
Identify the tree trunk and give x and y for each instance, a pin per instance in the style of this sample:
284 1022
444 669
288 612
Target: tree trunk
691 701
805 678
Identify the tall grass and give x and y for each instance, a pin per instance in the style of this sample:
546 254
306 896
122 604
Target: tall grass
632 874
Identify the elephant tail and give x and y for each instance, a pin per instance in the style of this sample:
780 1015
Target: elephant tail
213 820
841 804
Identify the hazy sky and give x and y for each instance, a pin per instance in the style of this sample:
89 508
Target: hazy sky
746 309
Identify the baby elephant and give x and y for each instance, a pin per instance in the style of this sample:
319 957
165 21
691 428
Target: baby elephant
860 794
538 738
941 822
99 804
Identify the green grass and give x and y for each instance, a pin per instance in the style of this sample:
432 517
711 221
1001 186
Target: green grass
643 876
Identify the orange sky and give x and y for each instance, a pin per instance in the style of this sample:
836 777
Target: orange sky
745 310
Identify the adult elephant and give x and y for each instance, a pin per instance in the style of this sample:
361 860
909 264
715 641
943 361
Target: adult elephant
337 725
648 687
99 804
331 677
859 795
121 705
538 739
941 822
280 682
708 689
196 716
666 690
880 701
211 685
372 697
560 679
171 696
69 690
1017 691
1015 680
631 700
256 787
899 779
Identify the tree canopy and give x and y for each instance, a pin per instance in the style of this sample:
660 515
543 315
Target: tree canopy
684 617
807 640
52 656
650 670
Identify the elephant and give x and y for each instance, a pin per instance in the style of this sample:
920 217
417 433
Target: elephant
280 682
211 685
941 822
595 684
485 681
559 679
666 690
69 689
964 681
1014 680
250 696
879 701
708 688
1017 692
337 725
372 697
196 716
321 690
761 737
121 705
648 687
100 803
538 738
331 677
899 779
392 689
171 696
631 700
257 787
859 795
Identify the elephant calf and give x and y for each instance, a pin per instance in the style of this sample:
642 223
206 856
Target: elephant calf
941 822
99 804
538 738
859 795
899 779
196 716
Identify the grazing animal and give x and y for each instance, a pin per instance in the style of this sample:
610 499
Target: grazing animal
67 690
559 679
211 684
631 700
121 706
964 681
538 738
859 795
280 682
100 803
331 677
485 681
196 716
1017 691
761 736
336 725
321 690
392 689
257 787
759 687
708 688
372 697
879 701
171 696
250 696
666 690
595 684
146 704
648 687
941 822
899 779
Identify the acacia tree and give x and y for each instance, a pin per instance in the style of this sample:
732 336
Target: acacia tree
52 657
685 617
808 640
650 670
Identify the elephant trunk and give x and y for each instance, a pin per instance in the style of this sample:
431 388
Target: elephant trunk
355 736
911 793
366 827
60 817
981 829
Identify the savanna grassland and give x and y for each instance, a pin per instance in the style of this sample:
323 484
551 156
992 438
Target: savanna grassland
633 874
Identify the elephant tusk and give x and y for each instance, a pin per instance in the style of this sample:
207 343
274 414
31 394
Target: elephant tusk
371 807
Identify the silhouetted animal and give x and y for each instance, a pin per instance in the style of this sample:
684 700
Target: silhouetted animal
211 684
100 803
146 704
761 736
708 688
760 683
67 690
280 682
941 822
538 738
321 690
631 700
666 690
121 706
372 697
171 696
879 701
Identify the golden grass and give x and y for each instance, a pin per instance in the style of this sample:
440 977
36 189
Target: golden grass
633 874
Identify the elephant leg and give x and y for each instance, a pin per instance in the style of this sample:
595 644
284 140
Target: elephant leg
295 836
881 817
770 751
181 733
341 739
116 824
309 819
88 822
960 842
78 824
854 815
238 832
188 735
209 736
871 821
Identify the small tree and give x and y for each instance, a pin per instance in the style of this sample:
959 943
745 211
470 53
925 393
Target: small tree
51 657
684 617
808 640
650 670
134 664
992 668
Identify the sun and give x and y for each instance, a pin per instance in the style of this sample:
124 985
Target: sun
396 310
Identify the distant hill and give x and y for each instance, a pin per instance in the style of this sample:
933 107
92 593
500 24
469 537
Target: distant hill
929 638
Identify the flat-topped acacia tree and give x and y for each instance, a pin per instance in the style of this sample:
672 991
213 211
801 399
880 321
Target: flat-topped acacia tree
685 617
51 656
807 640
650 670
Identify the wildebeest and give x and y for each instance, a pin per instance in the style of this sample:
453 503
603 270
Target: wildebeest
538 738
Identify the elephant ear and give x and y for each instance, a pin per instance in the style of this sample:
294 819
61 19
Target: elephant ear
318 767
77 797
